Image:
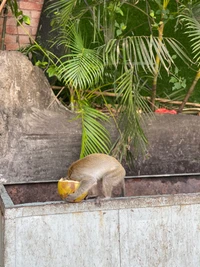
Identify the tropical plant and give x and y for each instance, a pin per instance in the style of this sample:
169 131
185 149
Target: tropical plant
101 54
164 16
190 18
101 58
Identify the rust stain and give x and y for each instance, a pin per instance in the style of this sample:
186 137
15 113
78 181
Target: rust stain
47 191
160 186
33 192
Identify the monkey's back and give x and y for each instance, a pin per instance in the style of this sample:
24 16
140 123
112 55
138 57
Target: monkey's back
95 165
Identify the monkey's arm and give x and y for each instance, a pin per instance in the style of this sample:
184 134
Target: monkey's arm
85 186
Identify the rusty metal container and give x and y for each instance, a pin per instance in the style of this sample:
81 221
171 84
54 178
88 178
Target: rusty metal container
156 224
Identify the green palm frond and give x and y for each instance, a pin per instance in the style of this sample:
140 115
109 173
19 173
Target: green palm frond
82 67
193 30
178 48
95 137
140 52
62 10
130 121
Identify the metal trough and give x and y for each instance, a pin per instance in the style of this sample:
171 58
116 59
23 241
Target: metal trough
156 224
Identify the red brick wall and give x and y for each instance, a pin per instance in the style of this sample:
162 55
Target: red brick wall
17 37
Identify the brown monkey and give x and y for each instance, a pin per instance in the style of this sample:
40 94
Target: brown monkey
98 174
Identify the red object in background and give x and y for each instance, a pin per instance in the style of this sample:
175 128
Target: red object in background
164 110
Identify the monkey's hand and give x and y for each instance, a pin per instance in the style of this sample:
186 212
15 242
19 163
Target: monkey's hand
71 198
82 191
76 197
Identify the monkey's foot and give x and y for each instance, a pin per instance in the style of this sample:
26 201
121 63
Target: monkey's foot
98 201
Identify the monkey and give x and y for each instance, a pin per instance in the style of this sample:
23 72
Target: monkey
98 174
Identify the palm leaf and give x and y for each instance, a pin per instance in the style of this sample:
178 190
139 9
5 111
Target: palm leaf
193 30
63 10
130 120
83 67
95 137
140 52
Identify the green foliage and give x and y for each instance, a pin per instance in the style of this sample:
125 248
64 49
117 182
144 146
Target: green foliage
140 52
177 81
130 105
81 68
104 52
21 18
192 25
113 56
94 134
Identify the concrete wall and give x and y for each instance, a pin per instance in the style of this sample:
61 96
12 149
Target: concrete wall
147 231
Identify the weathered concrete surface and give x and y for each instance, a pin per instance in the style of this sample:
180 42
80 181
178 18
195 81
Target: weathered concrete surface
39 139
123 232
174 145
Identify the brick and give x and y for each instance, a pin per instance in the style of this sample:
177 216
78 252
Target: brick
10 14
30 6
20 36
9 38
10 29
11 21
12 46
24 30
35 1
34 22
34 31
24 39
24 45
35 14
27 13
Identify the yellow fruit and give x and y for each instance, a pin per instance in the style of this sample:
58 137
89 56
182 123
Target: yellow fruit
67 187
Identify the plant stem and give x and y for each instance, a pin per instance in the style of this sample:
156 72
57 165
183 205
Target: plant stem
154 86
173 102
157 64
5 13
191 89
72 92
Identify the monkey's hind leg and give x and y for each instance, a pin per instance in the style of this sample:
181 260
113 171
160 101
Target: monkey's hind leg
122 188
114 181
